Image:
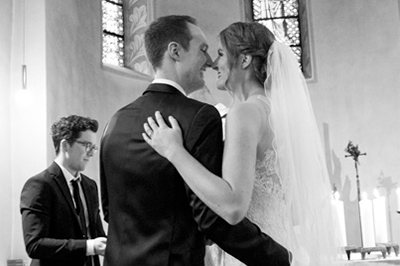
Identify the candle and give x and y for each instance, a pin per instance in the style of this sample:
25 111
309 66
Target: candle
380 220
367 222
398 198
339 211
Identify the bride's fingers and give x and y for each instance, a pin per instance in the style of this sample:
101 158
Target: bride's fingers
174 122
160 119
146 138
152 124
148 130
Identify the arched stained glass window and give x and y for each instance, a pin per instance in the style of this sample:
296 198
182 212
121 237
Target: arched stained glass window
124 24
287 19
113 32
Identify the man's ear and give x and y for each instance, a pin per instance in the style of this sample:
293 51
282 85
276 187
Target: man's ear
173 50
245 60
64 145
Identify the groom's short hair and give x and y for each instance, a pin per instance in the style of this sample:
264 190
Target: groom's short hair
163 31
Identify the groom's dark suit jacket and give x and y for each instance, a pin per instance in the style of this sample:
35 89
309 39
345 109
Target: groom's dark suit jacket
154 218
51 227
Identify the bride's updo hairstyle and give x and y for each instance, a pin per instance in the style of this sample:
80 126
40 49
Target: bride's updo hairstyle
249 38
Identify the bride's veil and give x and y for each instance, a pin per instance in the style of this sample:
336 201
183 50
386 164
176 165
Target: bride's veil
312 229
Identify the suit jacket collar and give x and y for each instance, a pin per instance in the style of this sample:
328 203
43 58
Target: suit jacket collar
169 82
165 88
58 176
54 169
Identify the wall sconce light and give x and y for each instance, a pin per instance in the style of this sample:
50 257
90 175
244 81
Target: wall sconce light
24 69
24 77
23 96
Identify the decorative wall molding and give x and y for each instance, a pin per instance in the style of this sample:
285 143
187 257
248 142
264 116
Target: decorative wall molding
138 16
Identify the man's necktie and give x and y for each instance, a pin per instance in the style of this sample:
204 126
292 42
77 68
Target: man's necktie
79 207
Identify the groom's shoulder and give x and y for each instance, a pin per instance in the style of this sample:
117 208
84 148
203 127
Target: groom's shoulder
200 108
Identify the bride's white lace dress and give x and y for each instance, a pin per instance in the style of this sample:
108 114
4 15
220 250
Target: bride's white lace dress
267 208
271 210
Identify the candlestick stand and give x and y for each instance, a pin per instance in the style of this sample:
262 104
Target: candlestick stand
354 152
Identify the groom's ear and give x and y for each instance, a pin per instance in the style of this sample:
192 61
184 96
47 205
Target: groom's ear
173 50
245 60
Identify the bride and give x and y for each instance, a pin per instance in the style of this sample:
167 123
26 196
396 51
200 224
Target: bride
273 168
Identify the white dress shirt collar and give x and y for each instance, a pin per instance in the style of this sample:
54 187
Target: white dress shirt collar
169 82
222 109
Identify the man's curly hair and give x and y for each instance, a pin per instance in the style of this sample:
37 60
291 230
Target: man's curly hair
70 128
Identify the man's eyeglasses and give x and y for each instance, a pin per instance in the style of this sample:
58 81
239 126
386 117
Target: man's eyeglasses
88 146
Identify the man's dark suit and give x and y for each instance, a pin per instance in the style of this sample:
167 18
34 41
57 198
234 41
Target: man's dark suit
51 229
154 218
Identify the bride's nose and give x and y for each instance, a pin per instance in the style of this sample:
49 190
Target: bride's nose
215 63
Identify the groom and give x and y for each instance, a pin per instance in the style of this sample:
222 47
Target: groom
154 218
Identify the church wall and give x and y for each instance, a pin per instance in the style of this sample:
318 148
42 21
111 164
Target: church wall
356 94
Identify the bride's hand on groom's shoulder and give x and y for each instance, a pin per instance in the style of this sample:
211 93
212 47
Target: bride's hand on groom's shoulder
164 139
